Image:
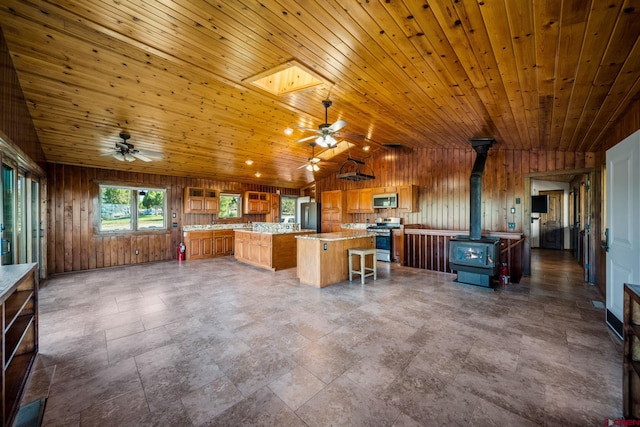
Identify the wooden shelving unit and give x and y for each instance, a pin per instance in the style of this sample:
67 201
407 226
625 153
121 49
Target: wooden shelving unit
631 345
19 298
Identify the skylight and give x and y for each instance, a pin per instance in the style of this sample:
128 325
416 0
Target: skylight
286 78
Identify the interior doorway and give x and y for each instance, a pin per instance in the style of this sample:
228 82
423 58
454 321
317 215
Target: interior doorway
552 222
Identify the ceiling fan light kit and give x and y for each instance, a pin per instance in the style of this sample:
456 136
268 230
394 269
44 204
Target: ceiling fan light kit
126 151
326 130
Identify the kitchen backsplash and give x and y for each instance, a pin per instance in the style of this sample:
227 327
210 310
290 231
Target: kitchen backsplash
355 225
275 227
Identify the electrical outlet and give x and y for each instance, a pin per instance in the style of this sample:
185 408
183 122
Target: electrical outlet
512 225
325 247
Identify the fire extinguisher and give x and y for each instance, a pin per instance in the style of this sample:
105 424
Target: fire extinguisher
181 249
504 274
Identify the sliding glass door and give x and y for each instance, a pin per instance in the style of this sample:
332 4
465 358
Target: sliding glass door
8 219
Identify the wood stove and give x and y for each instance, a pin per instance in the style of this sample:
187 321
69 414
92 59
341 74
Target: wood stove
476 258
476 261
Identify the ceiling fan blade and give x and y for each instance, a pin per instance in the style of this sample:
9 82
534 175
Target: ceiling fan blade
306 128
140 156
303 166
307 138
337 126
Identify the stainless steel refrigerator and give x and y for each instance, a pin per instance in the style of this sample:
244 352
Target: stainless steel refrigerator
310 216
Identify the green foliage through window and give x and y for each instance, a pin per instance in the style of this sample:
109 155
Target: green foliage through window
230 206
131 209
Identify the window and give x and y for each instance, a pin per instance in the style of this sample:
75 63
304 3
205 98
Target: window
230 206
132 209
288 208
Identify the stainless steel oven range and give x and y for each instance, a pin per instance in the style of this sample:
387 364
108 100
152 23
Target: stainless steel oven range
384 240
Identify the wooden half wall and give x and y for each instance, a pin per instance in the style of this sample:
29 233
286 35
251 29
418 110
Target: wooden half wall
73 244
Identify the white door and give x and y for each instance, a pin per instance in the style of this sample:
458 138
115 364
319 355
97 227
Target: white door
623 223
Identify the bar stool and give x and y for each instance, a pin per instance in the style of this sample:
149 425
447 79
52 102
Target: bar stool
364 271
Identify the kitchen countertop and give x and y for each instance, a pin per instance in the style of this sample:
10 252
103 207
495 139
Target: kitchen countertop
340 235
217 227
275 231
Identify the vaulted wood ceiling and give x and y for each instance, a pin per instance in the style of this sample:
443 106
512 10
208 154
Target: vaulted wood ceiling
539 74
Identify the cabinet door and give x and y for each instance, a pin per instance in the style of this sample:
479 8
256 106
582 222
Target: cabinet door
211 205
193 248
407 198
206 247
196 204
353 201
238 247
398 246
264 207
365 200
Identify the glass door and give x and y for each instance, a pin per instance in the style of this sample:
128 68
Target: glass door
7 221
20 252
35 222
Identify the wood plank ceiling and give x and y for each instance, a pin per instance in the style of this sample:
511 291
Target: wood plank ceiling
536 75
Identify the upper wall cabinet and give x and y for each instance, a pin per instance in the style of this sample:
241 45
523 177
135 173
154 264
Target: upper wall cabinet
256 202
407 198
201 200
360 201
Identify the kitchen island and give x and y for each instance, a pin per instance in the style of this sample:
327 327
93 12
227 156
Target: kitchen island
323 259
272 249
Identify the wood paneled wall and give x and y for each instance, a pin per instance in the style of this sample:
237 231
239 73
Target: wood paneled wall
73 243
15 120
442 177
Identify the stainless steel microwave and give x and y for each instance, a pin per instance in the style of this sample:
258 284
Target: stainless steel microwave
387 200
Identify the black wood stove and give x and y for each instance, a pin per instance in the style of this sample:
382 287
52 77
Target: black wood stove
476 258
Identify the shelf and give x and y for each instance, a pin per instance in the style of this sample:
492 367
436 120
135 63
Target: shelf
16 338
16 378
15 305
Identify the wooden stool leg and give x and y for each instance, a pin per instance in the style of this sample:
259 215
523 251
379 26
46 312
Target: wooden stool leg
375 270
350 266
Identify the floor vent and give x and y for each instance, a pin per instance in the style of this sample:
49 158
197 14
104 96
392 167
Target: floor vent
597 304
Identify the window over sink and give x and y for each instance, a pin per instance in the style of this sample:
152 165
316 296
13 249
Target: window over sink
230 206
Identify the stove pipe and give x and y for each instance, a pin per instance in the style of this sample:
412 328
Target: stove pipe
481 146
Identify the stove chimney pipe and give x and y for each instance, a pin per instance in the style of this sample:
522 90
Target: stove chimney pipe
481 147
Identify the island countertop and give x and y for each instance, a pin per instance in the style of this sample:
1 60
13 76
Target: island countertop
338 235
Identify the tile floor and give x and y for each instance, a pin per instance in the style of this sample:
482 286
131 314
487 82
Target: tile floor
218 343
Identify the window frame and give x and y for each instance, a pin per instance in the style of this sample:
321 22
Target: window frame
133 206
238 196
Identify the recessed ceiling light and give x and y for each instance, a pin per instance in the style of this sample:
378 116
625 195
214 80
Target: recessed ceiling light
366 148
288 131
258 174
249 162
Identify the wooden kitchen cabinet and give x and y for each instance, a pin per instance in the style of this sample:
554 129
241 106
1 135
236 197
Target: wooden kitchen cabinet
384 190
275 251
274 208
198 244
407 198
201 200
19 338
256 202
333 210
208 243
223 242
397 244
360 201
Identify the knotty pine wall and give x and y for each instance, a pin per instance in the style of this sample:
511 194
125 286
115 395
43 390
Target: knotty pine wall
73 242
15 120
442 177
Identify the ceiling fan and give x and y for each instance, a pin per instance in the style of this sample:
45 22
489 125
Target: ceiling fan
312 163
126 151
326 131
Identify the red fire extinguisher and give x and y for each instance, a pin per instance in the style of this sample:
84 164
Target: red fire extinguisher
181 249
504 274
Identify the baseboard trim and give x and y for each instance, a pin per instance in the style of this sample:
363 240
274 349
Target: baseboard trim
614 323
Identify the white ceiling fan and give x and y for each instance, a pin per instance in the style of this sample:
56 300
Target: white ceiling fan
125 151
327 132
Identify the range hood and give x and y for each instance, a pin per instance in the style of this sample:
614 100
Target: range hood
351 171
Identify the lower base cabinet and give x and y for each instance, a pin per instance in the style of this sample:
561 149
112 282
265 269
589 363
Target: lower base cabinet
270 251
208 243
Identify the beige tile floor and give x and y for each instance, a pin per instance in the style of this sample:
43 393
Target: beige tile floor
218 343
